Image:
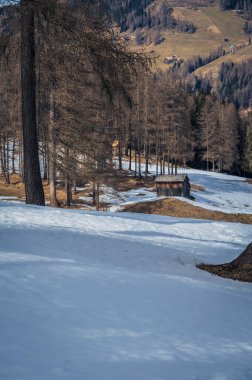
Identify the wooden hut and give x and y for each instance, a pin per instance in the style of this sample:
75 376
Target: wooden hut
173 185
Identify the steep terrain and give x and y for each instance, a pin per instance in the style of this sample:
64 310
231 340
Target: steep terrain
215 28
183 29
238 56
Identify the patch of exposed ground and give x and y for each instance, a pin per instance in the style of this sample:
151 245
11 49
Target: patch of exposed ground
177 208
214 29
122 182
16 189
239 269
167 207
197 187
126 183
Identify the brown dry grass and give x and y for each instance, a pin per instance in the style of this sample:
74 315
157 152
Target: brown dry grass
177 208
119 183
213 26
123 183
239 269
166 207
16 189
228 271
197 187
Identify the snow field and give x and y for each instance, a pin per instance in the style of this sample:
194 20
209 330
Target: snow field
225 193
97 296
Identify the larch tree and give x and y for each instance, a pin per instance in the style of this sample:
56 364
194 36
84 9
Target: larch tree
32 176
209 136
90 87
247 142
9 93
79 57
227 133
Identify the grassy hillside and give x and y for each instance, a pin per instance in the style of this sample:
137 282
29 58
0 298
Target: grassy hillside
237 57
213 26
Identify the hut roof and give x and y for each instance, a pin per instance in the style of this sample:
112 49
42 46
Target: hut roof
171 178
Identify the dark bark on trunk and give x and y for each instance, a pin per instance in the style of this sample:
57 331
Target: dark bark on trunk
130 145
119 153
157 157
52 156
146 167
68 191
130 156
119 143
2 158
94 192
46 170
146 158
7 161
74 187
52 185
97 196
33 184
135 147
139 162
13 156
21 160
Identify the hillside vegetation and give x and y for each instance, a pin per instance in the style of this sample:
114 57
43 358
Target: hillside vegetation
237 57
213 27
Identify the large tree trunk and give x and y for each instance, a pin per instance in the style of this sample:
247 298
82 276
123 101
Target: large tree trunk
52 156
2 157
146 158
68 189
130 145
97 195
13 151
119 153
7 156
33 184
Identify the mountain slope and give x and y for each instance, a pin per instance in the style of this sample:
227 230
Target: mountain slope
213 67
215 28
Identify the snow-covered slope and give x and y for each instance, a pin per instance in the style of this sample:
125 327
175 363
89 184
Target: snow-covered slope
107 296
222 192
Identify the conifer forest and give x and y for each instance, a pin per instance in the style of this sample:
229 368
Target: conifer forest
71 89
